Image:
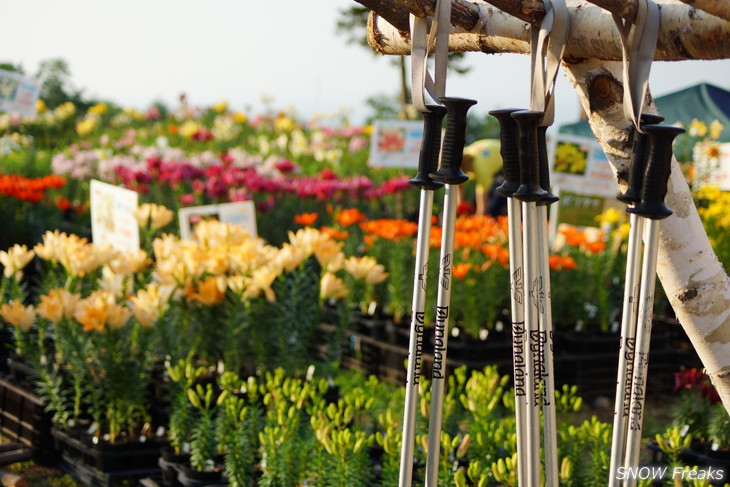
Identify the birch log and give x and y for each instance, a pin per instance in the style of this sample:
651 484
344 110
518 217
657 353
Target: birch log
694 280
686 33
720 8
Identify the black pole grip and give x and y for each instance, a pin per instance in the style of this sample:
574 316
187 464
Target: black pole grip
428 159
508 150
657 172
527 122
639 154
452 151
544 166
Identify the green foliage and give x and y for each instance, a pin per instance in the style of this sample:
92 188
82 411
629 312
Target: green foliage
233 431
672 443
691 411
718 428
204 444
587 448
298 296
183 376
481 126
568 400
56 88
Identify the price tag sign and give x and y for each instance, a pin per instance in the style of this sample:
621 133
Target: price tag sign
395 143
112 220
18 93
241 213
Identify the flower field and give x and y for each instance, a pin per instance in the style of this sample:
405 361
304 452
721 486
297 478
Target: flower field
214 346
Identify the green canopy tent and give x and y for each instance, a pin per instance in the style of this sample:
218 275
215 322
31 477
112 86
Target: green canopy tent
704 101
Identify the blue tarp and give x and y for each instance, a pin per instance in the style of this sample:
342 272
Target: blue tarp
704 101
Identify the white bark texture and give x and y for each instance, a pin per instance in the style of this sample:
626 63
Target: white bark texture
686 33
720 8
694 280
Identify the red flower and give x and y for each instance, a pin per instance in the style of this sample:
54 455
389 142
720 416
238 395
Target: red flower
465 208
63 203
688 379
285 166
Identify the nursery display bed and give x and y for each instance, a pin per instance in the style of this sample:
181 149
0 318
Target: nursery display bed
23 419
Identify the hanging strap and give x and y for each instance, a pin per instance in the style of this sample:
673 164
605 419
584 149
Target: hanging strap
422 43
638 42
547 48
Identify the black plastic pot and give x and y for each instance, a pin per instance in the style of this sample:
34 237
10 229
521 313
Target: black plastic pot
190 477
172 464
24 419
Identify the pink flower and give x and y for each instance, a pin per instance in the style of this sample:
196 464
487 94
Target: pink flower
198 186
187 199
327 174
285 166
265 205
238 194
357 144
153 113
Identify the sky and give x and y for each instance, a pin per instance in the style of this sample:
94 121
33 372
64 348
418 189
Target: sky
241 51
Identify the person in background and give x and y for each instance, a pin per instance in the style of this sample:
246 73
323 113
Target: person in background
483 163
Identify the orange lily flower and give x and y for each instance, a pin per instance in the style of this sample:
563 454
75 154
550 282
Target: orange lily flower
306 219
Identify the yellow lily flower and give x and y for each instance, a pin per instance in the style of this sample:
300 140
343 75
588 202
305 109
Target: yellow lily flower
93 311
261 281
149 304
332 287
209 291
18 315
366 269
15 259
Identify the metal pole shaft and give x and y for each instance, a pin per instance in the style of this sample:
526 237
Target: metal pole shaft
532 364
519 338
415 344
643 337
441 336
626 348
545 311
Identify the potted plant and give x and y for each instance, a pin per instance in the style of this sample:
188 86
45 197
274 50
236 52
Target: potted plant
204 466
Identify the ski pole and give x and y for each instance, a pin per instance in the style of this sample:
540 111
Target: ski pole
632 197
528 193
427 163
653 209
545 317
511 169
451 175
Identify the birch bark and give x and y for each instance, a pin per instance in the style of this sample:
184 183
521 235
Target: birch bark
720 8
686 33
695 282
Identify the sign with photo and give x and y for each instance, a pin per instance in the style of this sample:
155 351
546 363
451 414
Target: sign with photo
18 93
241 213
395 143
581 175
580 166
712 164
112 220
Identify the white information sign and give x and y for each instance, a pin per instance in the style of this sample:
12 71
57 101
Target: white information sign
579 166
713 170
18 93
241 213
112 220
395 143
